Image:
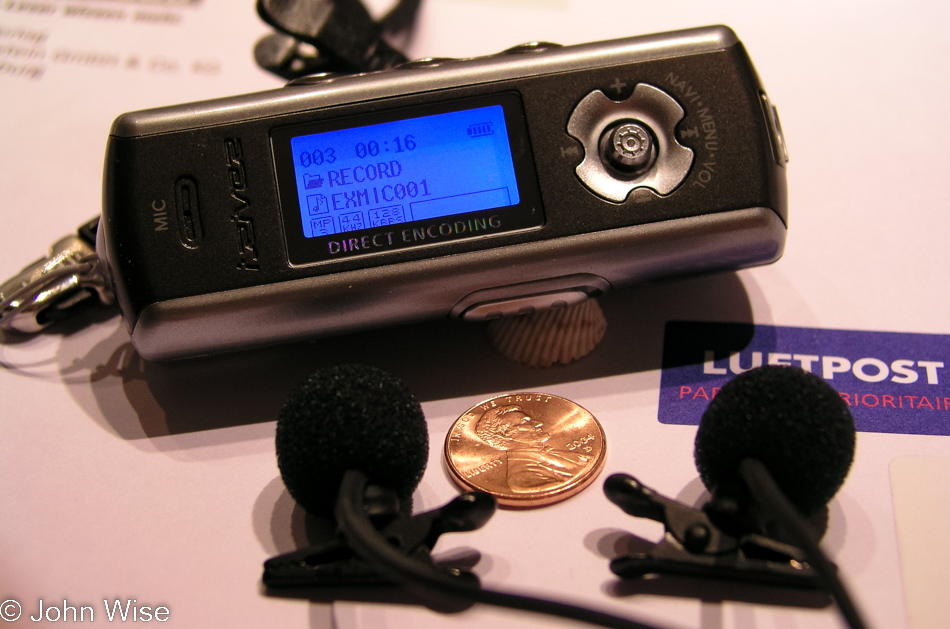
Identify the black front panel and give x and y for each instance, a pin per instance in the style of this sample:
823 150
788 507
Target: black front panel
244 209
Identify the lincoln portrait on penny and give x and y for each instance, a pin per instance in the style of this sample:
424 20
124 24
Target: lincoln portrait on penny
532 466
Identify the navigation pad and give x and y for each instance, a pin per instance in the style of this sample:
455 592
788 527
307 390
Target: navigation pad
630 144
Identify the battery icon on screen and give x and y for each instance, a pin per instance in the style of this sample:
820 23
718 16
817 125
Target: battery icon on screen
480 129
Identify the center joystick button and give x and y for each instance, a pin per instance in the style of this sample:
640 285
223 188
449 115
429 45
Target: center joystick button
628 147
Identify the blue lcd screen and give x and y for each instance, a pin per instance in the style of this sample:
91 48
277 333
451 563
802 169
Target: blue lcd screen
413 169
395 181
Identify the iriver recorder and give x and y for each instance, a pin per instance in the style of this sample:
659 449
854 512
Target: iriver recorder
470 188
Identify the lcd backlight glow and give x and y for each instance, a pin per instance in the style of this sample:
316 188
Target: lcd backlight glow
403 171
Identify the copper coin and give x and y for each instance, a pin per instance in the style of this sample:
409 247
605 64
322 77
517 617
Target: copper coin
526 449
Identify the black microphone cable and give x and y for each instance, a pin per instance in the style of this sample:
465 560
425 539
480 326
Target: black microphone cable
769 496
366 542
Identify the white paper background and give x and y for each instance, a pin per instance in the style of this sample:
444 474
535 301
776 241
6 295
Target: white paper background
158 482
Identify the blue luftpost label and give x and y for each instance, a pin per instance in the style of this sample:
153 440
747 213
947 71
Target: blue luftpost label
892 382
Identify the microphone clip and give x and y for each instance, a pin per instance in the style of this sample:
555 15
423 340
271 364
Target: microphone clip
694 546
332 562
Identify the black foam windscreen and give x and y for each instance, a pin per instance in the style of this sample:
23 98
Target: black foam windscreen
792 421
350 417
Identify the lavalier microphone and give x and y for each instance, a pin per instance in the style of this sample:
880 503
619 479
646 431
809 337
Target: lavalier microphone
773 447
792 421
354 437
350 416
355 417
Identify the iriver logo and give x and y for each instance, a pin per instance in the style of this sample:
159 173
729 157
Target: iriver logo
241 216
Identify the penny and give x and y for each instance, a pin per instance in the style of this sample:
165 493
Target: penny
526 449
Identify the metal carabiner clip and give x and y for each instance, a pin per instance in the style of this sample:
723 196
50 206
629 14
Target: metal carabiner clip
55 286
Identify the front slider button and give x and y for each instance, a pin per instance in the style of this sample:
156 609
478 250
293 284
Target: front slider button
523 305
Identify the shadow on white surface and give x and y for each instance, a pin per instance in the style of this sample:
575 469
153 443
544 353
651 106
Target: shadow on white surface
136 399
